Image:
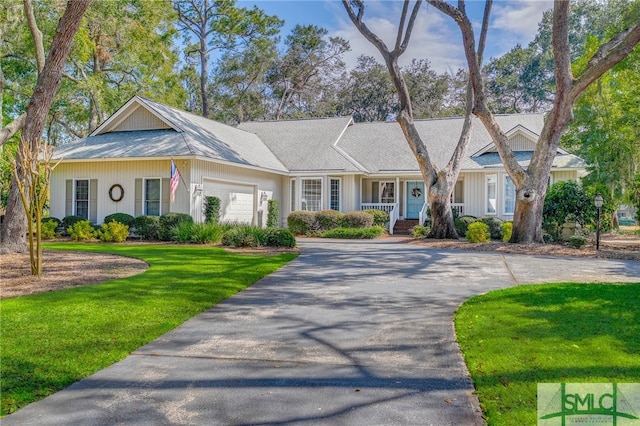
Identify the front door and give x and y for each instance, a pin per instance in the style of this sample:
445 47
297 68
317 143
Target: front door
415 199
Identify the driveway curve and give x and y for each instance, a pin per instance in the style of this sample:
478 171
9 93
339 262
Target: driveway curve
350 333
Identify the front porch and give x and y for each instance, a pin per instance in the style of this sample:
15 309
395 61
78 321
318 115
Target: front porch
402 225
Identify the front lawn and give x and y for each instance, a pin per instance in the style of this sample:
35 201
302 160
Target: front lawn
51 340
513 339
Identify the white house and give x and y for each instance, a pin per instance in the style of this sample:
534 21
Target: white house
311 164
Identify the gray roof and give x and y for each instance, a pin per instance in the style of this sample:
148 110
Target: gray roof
306 145
301 146
190 135
382 147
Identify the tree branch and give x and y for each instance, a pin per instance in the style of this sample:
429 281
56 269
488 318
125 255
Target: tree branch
36 34
10 129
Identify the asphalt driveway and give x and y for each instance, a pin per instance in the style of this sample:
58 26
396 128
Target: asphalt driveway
350 333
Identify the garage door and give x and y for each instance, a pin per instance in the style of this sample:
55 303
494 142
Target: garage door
236 201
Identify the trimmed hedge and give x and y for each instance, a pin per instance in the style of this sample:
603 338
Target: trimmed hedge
302 222
113 231
355 233
380 217
278 237
462 223
273 214
357 219
123 218
494 224
69 221
328 219
147 227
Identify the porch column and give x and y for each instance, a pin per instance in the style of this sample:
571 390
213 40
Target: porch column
398 193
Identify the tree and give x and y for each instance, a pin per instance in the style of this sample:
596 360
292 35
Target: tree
428 89
304 79
219 24
531 183
439 182
369 94
605 130
14 227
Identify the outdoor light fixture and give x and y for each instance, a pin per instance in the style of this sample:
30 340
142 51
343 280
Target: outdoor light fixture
598 202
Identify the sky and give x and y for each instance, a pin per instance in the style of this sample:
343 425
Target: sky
435 36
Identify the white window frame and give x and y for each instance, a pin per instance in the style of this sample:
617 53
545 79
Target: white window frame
339 180
75 197
506 179
144 196
301 192
486 194
293 193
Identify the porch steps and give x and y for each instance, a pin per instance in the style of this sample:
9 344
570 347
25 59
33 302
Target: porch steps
403 227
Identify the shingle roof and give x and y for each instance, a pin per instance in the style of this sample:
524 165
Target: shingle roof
190 135
382 147
306 145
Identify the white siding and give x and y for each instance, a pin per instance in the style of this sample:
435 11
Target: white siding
109 173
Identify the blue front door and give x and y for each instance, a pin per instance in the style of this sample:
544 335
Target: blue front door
415 199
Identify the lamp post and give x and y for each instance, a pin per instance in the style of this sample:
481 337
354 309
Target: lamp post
598 202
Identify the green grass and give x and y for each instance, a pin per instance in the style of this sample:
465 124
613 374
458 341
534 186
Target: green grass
513 339
51 340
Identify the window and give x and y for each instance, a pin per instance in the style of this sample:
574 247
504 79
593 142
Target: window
334 194
81 198
387 192
509 196
152 197
311 194
293 195
492 192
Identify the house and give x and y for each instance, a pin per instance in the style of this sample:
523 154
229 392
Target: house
310 164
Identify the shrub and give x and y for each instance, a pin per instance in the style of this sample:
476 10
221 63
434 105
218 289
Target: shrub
577 241
420 231
183 232
57 221
68 221
463 222
168 222
212 209
357 219
244 236
123 218
355 233
147 227
494 224
505 231
48 229
329 219
206 233
380 217
478 232
273 214
81 231
302 222
277 237
113 231
566 200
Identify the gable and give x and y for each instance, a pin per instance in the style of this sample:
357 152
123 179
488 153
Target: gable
140 119
517 142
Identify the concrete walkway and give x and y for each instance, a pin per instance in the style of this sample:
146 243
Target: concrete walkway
350 333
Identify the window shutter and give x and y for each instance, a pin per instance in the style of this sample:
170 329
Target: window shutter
375 192
68 206
164 209
93 200
137 208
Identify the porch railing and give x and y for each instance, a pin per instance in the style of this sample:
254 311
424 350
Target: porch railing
459 208
422 216
391 208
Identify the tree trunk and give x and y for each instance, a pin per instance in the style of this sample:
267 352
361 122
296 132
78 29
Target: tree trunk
13 234
442 224
204 71
527 219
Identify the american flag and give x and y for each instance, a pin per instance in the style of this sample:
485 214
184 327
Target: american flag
175 179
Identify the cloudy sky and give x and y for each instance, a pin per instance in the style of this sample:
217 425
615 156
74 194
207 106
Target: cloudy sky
435 36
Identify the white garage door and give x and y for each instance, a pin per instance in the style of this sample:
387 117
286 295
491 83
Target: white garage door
236 201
